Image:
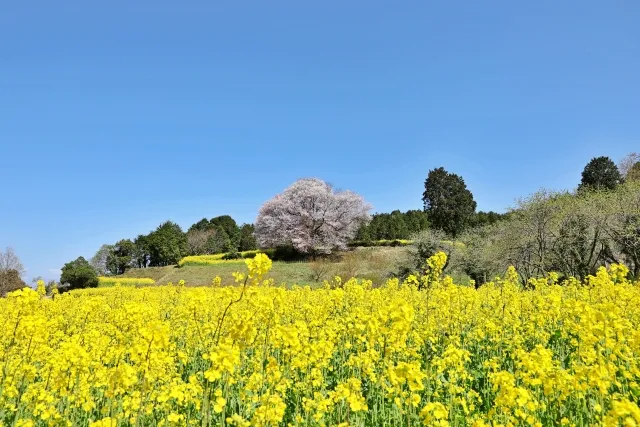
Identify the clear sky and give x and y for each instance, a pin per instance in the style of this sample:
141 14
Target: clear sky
116 116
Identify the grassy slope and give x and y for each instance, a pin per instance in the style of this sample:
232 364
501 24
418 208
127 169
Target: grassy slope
372 263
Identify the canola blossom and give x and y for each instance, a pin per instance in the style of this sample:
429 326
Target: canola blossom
125 281
423 352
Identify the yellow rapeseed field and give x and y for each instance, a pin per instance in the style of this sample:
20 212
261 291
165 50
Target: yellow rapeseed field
422 352
218 258
125 281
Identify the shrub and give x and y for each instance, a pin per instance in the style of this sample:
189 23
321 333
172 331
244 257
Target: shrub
232 255
288 253
349 265
375 243
254 252
320 269
425 244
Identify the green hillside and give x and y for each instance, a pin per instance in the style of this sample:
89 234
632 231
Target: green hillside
376 264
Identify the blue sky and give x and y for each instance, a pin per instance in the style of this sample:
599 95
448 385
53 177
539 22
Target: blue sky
117 116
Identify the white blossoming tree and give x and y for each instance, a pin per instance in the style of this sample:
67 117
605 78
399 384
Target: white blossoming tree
312 217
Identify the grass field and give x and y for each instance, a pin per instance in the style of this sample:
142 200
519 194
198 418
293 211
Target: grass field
376 264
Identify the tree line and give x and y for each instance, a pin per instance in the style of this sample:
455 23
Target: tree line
399 225
168 243
571 232
164 246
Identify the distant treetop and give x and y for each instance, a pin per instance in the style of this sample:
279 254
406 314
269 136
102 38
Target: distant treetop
448 202
601 173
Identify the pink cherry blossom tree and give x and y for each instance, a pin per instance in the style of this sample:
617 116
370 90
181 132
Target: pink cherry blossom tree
312 217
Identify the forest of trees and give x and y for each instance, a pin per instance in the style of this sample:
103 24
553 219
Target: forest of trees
572 233
403 225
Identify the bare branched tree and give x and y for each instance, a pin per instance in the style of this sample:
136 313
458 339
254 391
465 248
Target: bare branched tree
99 260
627 163
11 270
623 225
572 234
197 241
209 241
10 261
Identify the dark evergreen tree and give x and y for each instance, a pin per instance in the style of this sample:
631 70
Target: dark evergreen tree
448 202
397 226
481 219
202 225
247 238
231 229
601 173
416 221
219 242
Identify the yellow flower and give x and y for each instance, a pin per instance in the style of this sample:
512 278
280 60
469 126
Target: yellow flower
105 422
415 400
41 289
219 404
258 266
175 418
435 413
